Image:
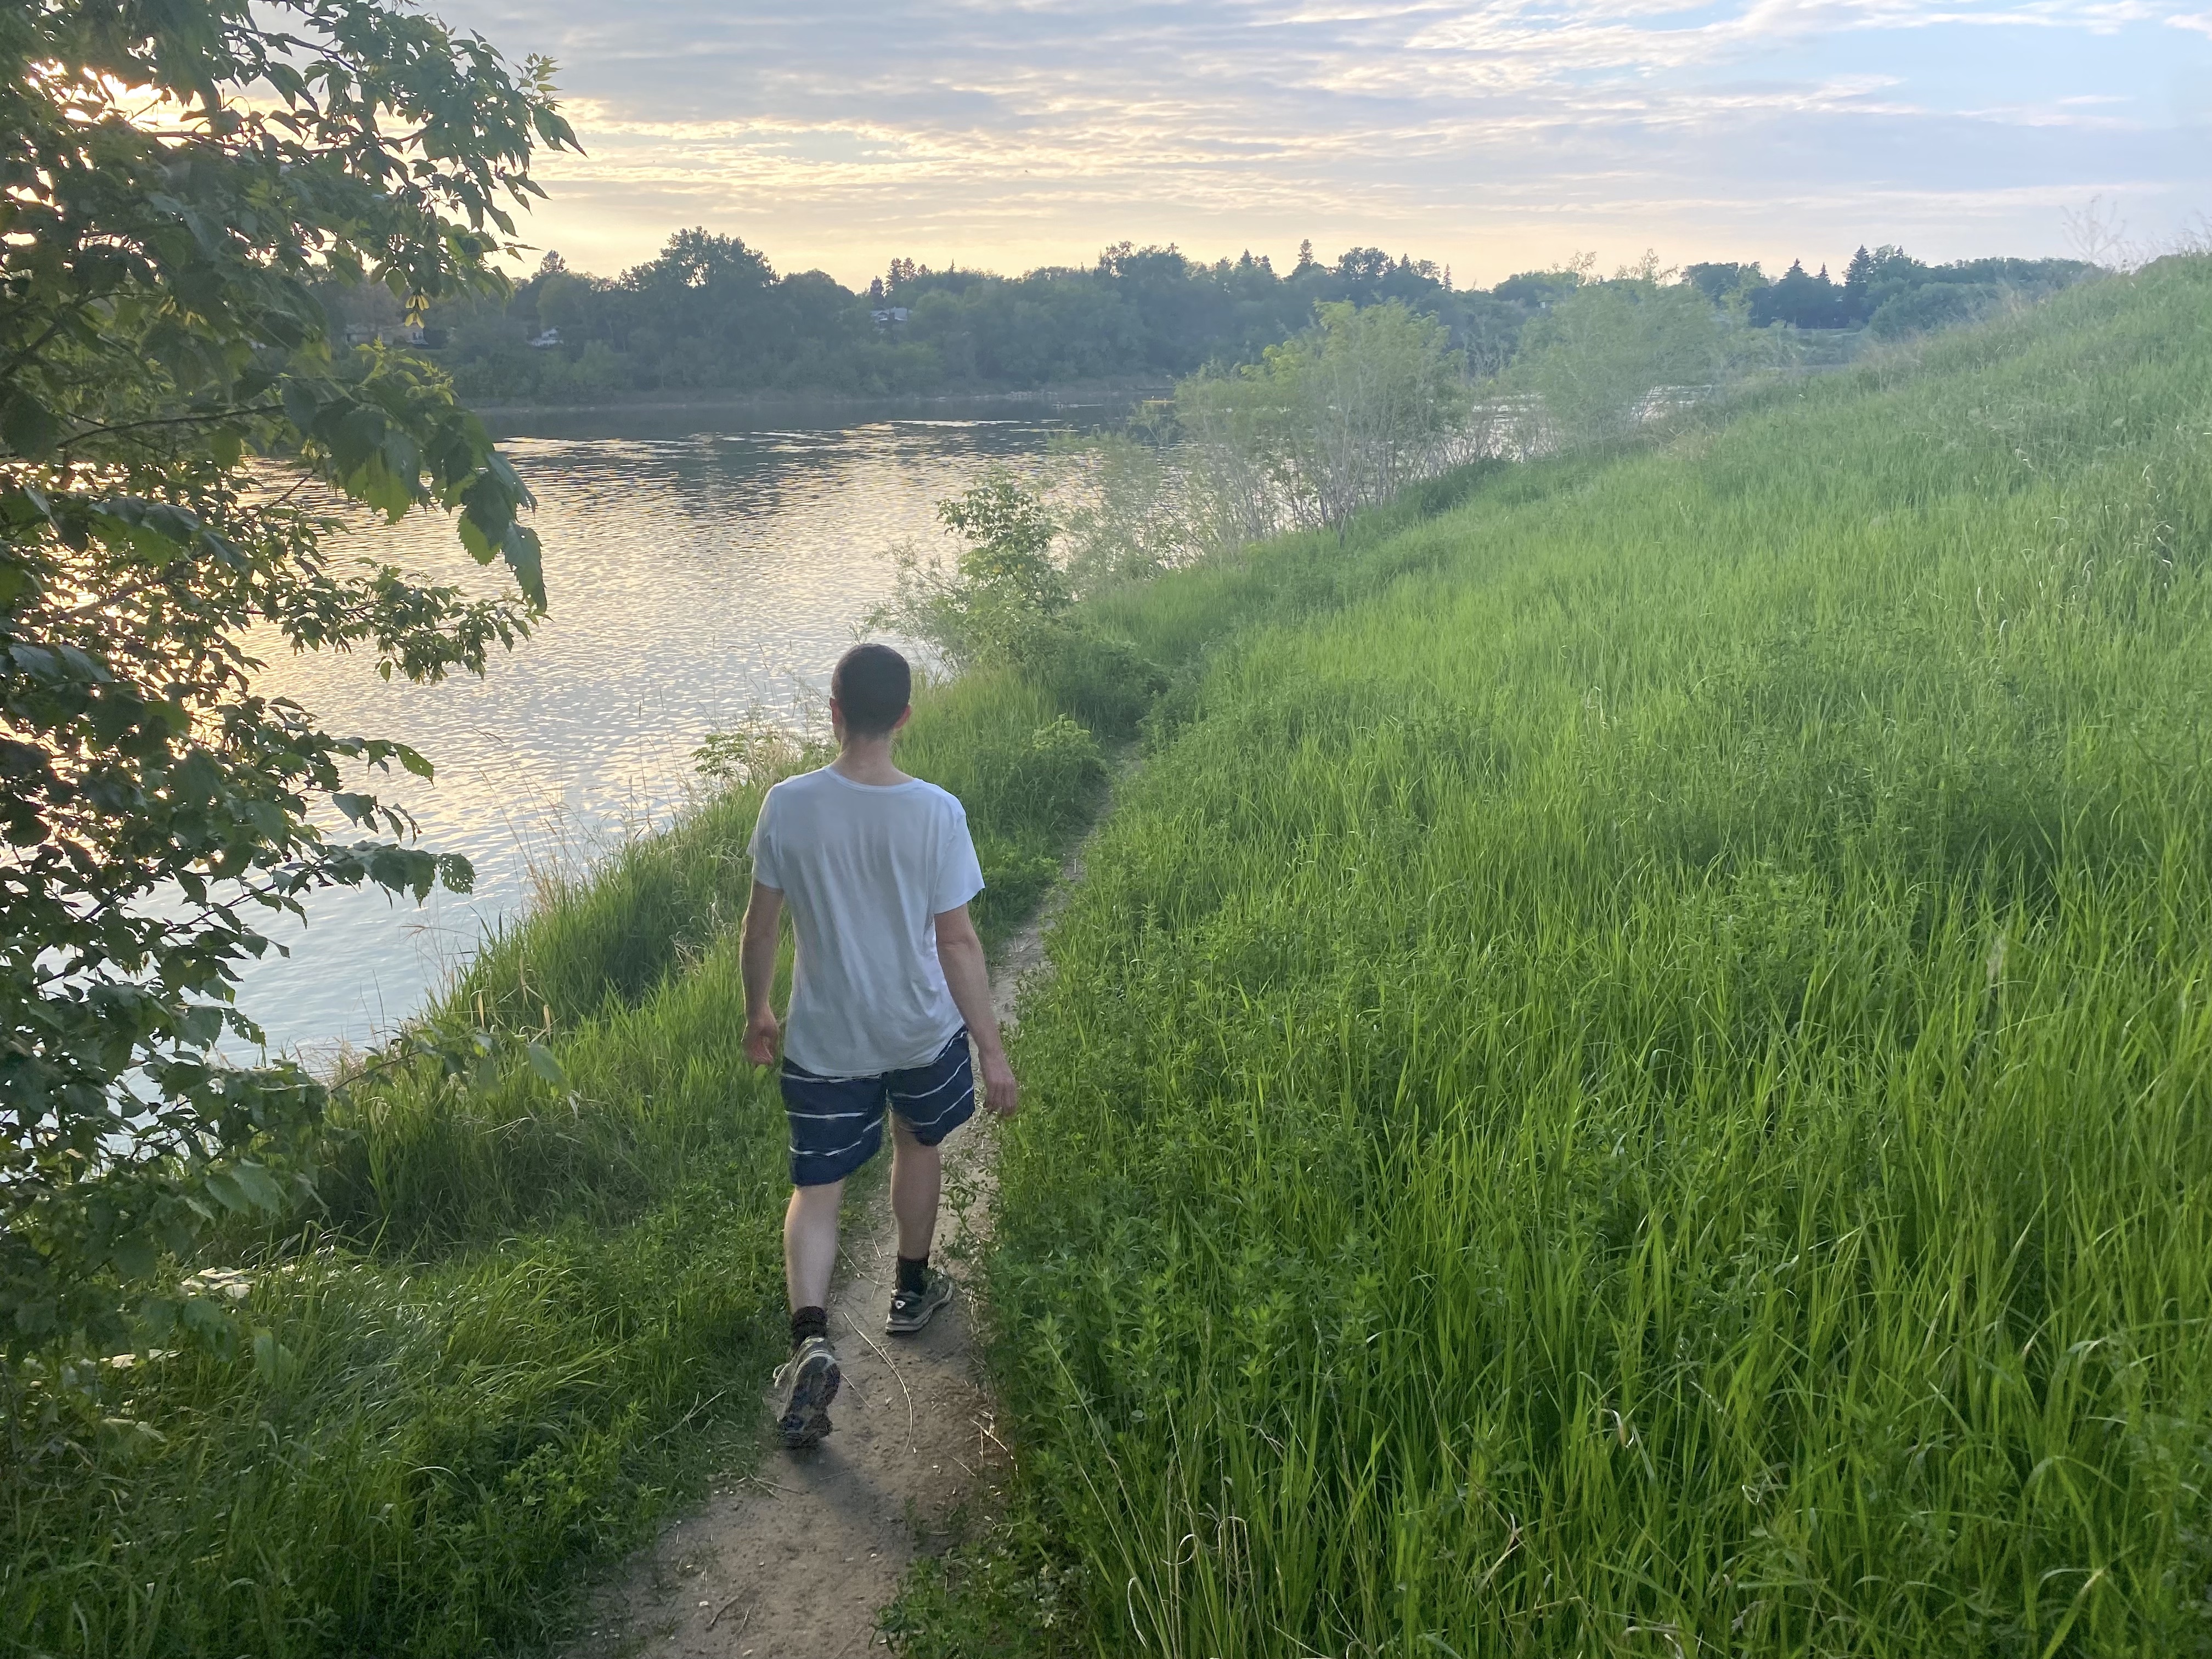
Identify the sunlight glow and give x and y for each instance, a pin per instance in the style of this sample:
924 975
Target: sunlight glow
1492 136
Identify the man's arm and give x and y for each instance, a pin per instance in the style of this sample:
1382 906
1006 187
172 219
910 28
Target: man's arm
961 955
756 961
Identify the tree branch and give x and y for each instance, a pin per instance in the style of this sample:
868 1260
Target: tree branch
168 420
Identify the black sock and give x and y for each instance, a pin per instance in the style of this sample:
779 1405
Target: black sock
809 1322
913 1271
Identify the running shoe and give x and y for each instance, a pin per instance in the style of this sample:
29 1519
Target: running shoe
805 1383
912 1309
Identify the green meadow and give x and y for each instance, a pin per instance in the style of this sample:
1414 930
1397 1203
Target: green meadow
1628 1077
1642 1087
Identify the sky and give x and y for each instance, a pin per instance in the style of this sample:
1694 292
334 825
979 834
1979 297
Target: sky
1491 137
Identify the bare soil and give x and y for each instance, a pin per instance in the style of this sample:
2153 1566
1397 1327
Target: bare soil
795 1560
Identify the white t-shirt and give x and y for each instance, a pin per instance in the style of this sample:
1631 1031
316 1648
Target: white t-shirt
867 869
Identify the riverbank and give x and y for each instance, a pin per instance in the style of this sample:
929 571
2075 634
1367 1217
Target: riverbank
692 408
529 1317
533 1313
1627 1064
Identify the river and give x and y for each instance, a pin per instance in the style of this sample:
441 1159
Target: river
699 570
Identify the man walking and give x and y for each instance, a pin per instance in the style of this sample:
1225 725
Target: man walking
888 987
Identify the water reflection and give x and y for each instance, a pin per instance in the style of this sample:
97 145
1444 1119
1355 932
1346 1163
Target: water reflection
694 577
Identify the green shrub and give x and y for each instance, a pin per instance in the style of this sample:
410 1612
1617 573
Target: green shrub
1100 680
1934 305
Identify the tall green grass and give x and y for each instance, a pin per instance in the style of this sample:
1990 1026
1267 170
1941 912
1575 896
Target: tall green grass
1630 1078
530 1315
1642 1089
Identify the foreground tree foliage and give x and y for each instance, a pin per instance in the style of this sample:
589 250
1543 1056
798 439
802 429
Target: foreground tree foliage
171 412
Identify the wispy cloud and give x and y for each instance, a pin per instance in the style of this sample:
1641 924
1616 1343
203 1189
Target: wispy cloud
1492 134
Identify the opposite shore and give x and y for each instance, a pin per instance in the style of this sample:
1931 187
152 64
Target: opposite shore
506 419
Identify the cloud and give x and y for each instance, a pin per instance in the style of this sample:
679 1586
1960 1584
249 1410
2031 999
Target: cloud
1493 135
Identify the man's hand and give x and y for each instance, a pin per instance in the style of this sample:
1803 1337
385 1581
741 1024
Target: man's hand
1002 1096
961 955
760 1033
756 964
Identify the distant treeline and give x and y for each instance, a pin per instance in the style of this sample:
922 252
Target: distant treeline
711 314
1887 291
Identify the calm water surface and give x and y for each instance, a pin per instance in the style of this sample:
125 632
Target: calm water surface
695 577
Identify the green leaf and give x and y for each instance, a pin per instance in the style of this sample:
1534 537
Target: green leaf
157 1317
211 1321
403 460
27 426
523 558
478 544
510 480
135 1255
489 505
300 404
543 1062
285 330
354 439
260 1189
273 1363
374 484
225 552
222 1185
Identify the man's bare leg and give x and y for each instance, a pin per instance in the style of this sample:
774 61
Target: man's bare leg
807 1381
810 1244
917 1184
917 1179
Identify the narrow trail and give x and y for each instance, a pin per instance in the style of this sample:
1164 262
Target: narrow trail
795 1560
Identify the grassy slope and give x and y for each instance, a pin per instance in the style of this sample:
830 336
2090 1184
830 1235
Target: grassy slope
1643 1091
535 1317
532 1317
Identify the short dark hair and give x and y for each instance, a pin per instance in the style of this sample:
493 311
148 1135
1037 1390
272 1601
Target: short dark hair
872 686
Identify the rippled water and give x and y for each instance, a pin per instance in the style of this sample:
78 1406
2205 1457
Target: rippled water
694 577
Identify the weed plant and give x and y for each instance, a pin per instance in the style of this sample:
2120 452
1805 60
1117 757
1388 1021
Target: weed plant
1631 1076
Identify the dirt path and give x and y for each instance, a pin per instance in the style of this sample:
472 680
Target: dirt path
795 1561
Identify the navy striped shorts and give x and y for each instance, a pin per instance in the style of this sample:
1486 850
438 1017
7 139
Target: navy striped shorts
837 1122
